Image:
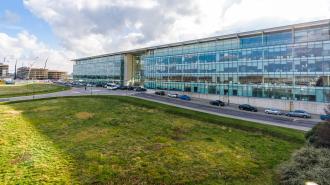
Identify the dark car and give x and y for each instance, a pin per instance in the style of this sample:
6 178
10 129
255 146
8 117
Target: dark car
130 88
185 97
247 107
299 113
325 117
99 85
140 89
122 87
217 103
161 93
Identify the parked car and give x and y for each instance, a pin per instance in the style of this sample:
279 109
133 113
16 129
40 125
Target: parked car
140 89
99 84
217 103
184 97
247 107
114 87
109 84
173 95
9 82
130 88
123 87
299 113
161 93
273 111
325 117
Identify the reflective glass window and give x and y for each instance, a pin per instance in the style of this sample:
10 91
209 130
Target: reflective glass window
253 41
278 38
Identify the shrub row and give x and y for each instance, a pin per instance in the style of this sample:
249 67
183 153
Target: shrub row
312 162
319 136
307 164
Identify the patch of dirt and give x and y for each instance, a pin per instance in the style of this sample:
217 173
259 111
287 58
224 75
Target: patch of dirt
156 146
178 133
21 158
84 115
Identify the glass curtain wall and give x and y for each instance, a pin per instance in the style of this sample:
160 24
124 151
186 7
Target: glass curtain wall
102 69
289 64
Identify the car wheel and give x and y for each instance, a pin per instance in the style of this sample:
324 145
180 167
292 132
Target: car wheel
304 116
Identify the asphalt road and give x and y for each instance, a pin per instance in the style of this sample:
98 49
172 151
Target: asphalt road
195 104
261 117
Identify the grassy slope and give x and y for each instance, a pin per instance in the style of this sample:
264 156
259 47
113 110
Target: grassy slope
120 140
30 89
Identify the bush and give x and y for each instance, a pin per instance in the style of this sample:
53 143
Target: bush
319 136
308 164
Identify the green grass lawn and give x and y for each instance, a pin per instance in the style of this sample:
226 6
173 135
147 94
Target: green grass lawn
123 140
29 89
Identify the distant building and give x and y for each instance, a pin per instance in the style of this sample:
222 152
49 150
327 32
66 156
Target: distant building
57 75
3 71
32 73
40 74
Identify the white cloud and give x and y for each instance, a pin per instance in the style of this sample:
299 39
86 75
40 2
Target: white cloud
25 47
91 27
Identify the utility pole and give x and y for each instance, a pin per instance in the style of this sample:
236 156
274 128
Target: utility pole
15 75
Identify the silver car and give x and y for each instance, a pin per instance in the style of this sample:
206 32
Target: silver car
273 111
172 95
299 113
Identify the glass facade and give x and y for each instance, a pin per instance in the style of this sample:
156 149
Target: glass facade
291 64
101 69
288 63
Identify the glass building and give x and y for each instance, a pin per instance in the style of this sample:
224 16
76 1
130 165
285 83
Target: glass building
98 69
287 63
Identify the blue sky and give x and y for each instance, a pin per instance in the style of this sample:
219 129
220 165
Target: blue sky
27 21
65 29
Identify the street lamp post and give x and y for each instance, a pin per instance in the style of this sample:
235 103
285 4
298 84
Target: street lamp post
91 90
15 75
228 94
228 97
32 90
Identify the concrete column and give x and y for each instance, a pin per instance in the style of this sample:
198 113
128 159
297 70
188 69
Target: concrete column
128 69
